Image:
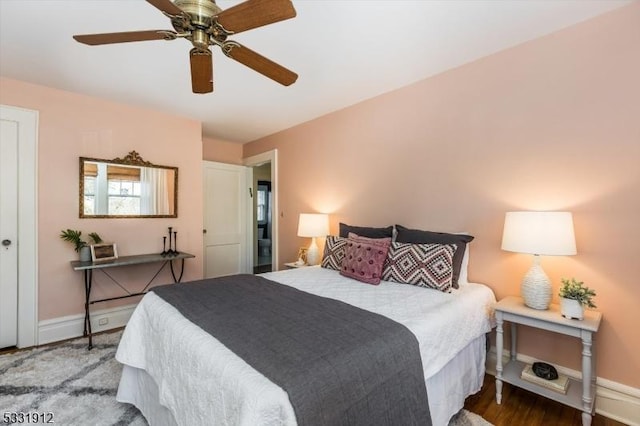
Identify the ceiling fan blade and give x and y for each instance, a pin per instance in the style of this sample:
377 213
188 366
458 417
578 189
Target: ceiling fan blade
259 63
255 13
165 6
201 71
124 37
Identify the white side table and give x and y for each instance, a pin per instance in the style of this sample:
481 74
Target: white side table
580 395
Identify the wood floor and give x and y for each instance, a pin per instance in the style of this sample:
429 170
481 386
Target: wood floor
520 407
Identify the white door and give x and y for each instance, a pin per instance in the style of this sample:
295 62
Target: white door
8 233
18 238
226 217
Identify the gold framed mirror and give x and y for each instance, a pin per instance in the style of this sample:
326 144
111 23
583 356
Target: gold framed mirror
127 187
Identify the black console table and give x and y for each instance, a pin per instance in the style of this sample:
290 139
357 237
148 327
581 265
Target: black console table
88 268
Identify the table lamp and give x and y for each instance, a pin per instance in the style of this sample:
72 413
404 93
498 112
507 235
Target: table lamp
313 225
538 233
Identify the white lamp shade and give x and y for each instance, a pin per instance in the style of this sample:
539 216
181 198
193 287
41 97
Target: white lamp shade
313 225
542 233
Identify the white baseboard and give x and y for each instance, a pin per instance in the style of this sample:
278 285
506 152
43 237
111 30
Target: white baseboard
613 400
71 326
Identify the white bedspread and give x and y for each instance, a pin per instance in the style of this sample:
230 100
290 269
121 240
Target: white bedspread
203 382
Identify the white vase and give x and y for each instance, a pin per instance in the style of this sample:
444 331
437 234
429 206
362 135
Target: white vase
571 308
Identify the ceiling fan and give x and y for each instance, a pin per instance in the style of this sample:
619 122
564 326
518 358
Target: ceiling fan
204 24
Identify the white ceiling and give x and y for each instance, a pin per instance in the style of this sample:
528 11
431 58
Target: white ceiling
344 51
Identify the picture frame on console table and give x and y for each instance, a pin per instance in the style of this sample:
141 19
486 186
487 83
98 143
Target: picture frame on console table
302 254
103 252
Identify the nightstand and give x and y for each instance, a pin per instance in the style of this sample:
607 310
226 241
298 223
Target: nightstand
580 394
293 265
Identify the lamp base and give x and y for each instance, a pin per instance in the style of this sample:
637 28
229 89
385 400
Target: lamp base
313 254
536 288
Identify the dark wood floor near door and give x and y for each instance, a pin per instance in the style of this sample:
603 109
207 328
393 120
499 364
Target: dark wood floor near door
520 407
261 269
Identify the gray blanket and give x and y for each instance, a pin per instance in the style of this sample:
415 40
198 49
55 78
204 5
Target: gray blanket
340 365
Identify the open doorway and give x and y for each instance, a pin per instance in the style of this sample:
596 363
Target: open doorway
264 222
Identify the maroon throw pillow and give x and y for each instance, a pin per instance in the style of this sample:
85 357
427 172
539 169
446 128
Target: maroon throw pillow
364 258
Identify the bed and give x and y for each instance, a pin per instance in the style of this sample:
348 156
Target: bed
177 374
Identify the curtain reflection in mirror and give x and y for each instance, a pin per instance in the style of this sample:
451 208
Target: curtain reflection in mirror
154 192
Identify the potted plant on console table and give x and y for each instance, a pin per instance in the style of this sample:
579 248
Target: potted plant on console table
80 246
574 296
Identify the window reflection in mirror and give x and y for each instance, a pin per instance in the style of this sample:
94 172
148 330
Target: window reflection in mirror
124 190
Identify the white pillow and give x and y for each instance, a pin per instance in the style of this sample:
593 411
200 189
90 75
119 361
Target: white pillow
464 273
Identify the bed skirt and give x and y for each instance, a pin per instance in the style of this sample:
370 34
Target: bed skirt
447 389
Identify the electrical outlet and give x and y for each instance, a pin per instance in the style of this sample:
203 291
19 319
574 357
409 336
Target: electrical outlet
103 321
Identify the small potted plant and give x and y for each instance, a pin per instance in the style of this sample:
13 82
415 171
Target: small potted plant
574 296
80 246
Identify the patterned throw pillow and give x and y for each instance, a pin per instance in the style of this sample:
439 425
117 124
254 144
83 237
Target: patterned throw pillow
423 265
333 252
364 258
417 236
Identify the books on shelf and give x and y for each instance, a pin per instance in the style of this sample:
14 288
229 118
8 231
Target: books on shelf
559 385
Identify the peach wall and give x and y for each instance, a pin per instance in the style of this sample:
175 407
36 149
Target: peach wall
221 151
73 125
551 124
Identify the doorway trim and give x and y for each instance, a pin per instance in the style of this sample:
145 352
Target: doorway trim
258 160
28 224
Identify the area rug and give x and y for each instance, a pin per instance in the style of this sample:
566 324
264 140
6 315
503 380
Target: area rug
78 387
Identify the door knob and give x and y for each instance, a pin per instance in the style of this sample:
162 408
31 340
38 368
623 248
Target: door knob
6 242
